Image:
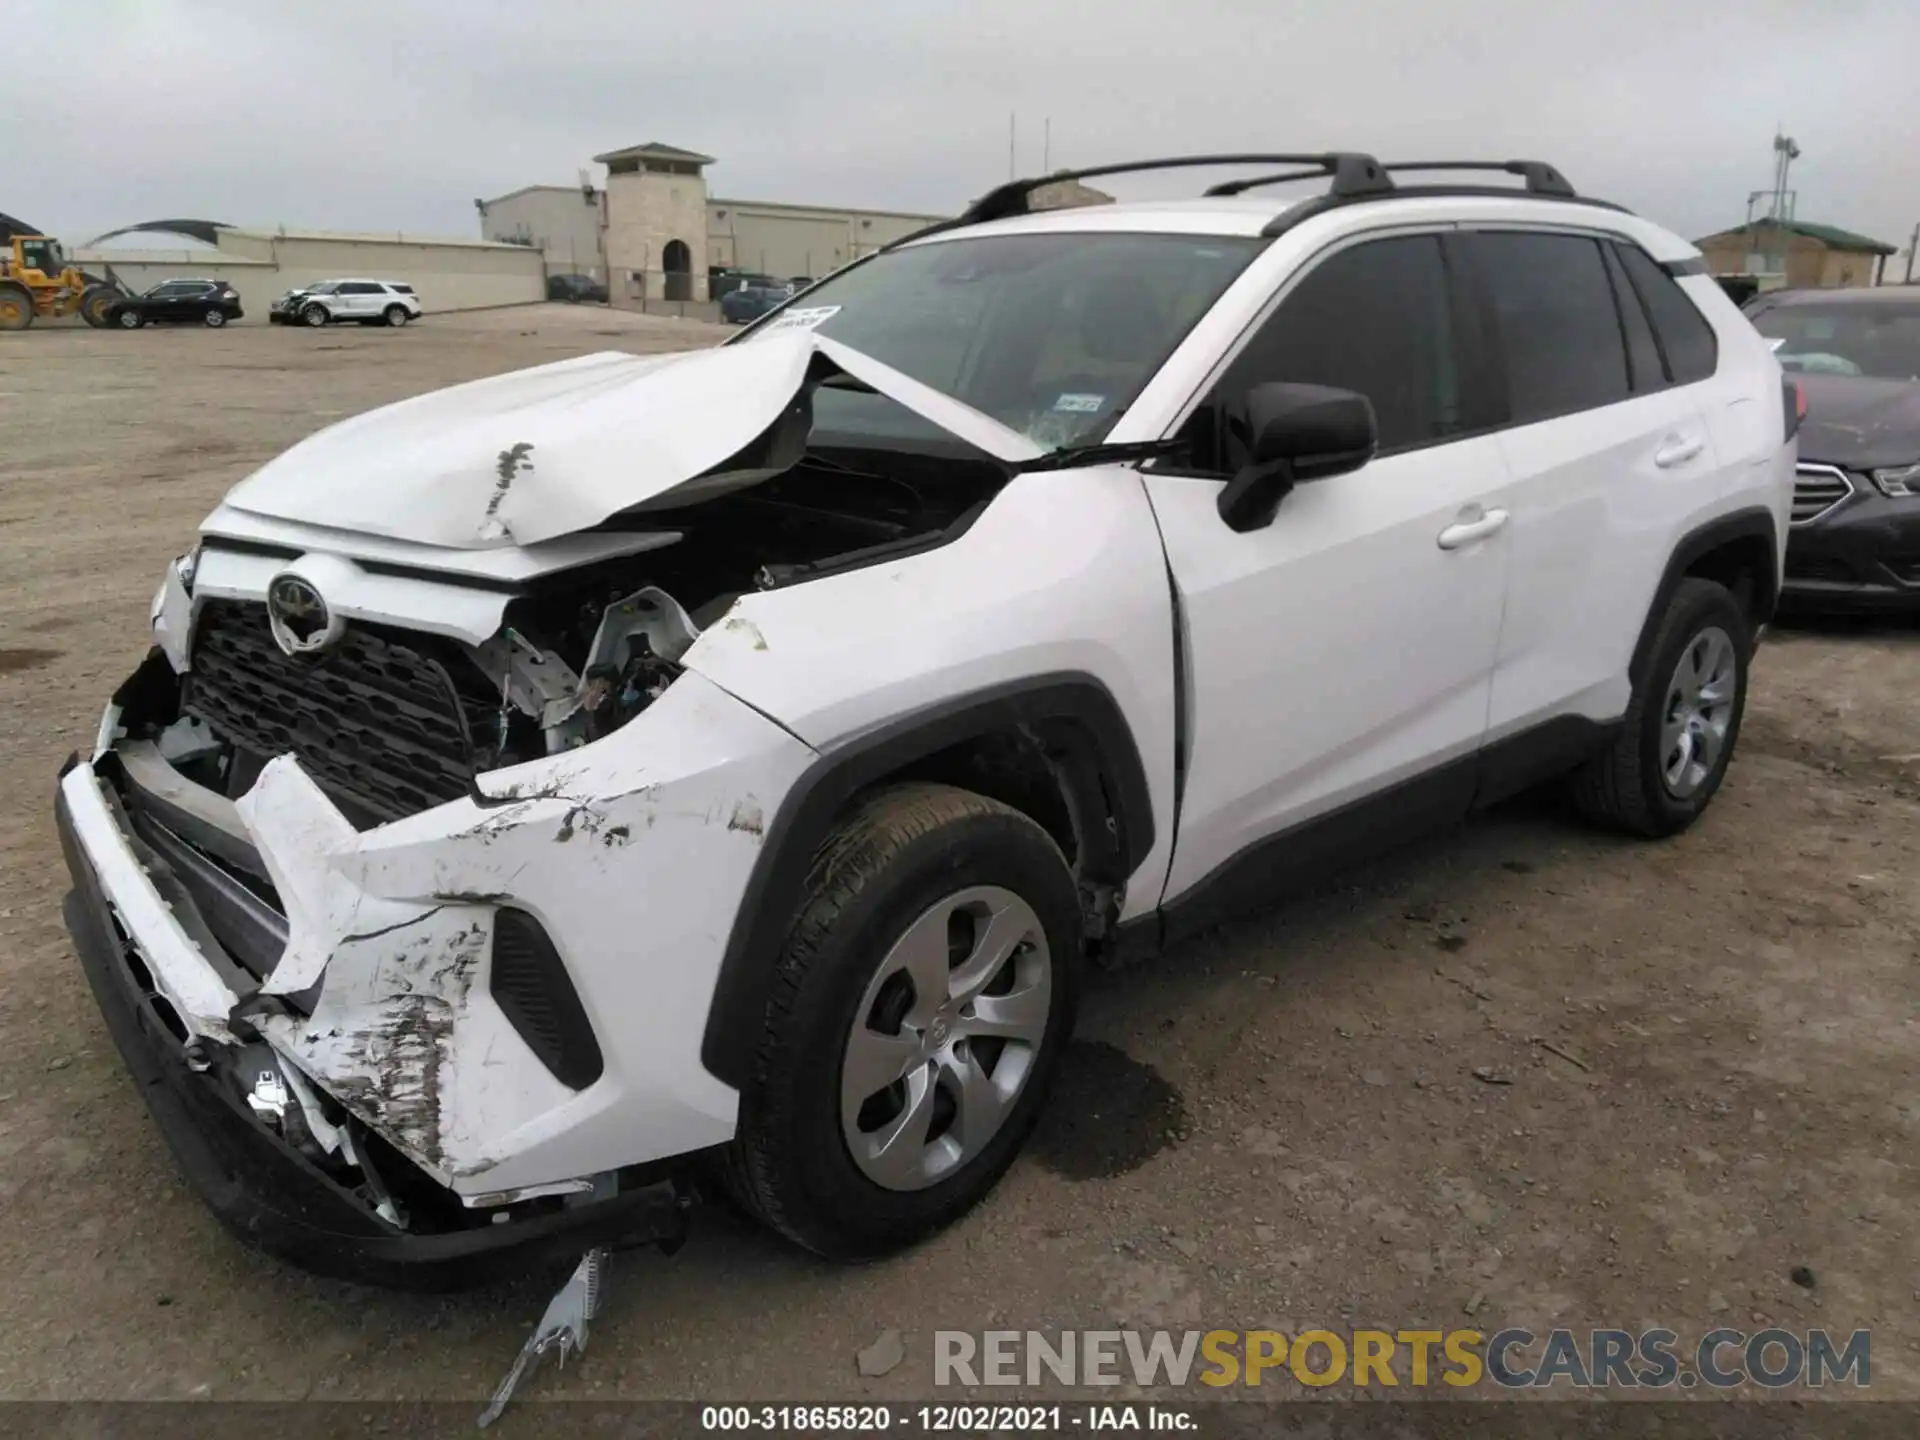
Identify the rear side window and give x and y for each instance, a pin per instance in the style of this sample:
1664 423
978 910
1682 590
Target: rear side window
1376 318
401 289
1686 339
1556 323
1645 366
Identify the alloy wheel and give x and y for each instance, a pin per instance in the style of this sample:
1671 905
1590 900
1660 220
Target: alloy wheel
945 1037
1698 712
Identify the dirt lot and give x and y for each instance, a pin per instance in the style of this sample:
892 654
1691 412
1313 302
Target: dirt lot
1279 1125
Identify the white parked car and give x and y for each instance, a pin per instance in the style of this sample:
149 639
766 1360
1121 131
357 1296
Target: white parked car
371 302
549 790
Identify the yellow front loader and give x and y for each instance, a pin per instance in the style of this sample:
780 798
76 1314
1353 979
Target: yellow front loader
36 279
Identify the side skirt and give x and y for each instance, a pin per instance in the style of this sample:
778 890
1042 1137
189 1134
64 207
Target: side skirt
1296 859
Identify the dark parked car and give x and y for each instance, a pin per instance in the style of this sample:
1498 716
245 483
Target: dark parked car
195 302
576 288
1854 542
754 299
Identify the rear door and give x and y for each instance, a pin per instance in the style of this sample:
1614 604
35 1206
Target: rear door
1607 459
360 300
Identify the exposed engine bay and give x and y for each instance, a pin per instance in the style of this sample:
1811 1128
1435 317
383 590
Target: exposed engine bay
392 722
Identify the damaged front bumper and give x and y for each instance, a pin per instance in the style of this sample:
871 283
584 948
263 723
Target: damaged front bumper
374 1108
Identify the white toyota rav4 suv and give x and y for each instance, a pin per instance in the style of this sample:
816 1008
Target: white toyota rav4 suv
546 792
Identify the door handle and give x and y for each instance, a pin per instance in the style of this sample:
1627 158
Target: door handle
1677 450
1465 532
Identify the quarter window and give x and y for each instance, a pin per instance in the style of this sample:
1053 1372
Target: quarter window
1555 321
1686 338
1377 319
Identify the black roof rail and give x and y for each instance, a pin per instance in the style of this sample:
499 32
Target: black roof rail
1356 177
1541 178
1353 174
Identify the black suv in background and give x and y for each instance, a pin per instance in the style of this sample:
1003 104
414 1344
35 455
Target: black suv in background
1855 538
194 302
574 289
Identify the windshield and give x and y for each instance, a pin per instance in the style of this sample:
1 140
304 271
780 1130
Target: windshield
325 287
1879 340
1053 335
43 255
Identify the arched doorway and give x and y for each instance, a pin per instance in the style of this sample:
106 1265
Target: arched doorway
677 261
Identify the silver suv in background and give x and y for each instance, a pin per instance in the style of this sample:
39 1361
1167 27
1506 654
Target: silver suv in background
371 302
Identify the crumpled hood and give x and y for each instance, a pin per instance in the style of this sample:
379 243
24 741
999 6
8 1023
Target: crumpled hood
1859 422
536 454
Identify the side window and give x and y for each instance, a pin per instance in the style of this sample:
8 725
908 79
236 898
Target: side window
1376 318
357 287
1555 321
1686 339
1644 365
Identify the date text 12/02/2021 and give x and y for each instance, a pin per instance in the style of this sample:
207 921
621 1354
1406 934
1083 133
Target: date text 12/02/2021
946 1419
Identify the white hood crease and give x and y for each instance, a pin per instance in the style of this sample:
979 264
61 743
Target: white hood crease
538 454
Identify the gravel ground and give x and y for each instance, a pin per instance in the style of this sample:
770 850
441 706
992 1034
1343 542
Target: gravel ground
1544 1075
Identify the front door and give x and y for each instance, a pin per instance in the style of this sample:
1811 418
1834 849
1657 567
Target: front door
1339 660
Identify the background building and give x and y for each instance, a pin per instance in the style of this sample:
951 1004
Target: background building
659 240
562 222
262 264
1795 253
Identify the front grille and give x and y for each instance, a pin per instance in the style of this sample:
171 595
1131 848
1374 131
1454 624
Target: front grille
1819 568
1816 490
370 720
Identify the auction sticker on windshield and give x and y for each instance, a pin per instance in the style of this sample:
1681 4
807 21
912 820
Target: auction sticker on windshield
802 319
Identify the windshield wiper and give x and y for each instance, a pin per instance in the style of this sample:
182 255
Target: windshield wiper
1069 457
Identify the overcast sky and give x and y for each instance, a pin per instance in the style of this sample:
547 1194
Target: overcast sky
397 114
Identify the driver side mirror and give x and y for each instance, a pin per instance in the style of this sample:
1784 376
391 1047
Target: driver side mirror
1297 433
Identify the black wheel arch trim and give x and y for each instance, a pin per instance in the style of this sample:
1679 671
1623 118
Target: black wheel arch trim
1754 522
809 810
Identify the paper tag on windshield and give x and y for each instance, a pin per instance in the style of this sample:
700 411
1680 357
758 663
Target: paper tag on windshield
802 319
1080 404
1776 344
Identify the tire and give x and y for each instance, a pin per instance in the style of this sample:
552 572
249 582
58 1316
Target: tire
214 319
129 319
1648 783
961 870
397 316
95 302
314 316
16 308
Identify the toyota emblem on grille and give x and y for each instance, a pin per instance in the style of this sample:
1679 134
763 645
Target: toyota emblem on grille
299 618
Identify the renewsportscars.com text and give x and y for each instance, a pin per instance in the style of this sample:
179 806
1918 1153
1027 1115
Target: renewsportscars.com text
1511 1358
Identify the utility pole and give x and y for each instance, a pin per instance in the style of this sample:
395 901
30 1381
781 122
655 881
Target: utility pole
1046 146
1012 126
1913 244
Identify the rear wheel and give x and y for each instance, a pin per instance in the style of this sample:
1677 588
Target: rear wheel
397 316
314 316
96 301
16 308
916 1017
215 318
1680 730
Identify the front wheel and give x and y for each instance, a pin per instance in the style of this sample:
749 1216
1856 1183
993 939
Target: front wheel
1674 746
130 319
96 304
916 1017
314 316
